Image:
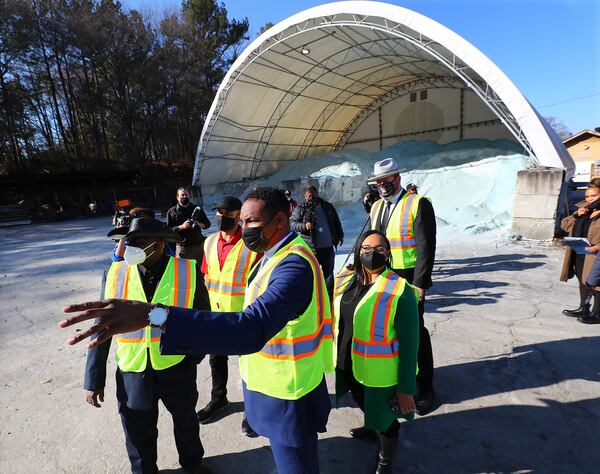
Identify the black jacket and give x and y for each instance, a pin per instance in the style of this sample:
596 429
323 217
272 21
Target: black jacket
424 229
177 215
299 219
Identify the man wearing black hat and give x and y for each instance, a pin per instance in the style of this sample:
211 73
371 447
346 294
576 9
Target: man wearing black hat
227 264
188 220
144 376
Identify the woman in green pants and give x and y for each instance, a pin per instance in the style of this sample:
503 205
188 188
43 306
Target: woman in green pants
376 330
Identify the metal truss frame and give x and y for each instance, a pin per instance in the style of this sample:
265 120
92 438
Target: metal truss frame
387 32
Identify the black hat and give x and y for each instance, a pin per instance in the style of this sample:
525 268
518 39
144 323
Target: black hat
118 233
228 204
144 227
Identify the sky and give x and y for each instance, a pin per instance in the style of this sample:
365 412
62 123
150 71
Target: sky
550 49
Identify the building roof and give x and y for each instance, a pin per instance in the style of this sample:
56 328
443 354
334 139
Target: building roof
580 135
301 87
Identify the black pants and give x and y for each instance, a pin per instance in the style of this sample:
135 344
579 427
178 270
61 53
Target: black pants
425 356
219 372
138 395
358 394
326 258
585 293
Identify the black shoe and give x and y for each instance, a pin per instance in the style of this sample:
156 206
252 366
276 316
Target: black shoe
580 312
247 429
425 402
591 319
211 409
362 433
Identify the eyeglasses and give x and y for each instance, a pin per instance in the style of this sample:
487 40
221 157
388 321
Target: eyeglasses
389 179
367 248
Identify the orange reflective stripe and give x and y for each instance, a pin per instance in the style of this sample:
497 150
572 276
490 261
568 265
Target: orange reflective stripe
388 310
188 296
295 348
315 266
246 267
119 285
324 326
374 349
115 282
374 320
131 340
126 283
176 282
139 340
289 357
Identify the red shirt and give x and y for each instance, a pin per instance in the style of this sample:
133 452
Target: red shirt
223 249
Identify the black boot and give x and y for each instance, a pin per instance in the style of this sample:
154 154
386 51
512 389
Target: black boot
581 312
362 433
385 456
593 318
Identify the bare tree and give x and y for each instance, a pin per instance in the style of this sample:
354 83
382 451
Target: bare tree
559 127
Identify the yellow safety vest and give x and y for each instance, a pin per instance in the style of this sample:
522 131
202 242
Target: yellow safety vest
227 285
176 288
400 229
375 347
293 362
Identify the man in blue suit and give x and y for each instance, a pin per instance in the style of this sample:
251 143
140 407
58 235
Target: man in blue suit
295 286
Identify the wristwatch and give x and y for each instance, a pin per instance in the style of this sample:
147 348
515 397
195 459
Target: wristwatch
157 317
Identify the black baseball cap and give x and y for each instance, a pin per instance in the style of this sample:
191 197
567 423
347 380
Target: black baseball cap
229 204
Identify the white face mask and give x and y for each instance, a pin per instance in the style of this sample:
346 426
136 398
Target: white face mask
136 255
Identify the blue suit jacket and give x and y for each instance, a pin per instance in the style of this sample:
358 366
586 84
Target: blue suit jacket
289 293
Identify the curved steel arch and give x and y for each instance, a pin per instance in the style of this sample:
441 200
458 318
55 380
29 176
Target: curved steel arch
428 38
295 93
400 91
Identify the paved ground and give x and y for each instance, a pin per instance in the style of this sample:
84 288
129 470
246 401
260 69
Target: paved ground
518 382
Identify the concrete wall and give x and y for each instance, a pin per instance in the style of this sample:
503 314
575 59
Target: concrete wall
536 202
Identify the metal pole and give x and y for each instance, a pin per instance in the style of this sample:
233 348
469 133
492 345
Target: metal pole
356 241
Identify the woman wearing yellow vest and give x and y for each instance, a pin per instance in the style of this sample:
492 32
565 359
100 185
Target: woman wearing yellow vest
376 329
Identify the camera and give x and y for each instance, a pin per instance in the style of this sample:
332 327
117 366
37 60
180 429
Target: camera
373 194
122 218
309 212
196 216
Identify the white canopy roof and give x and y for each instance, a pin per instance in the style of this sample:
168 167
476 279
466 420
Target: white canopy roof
319 80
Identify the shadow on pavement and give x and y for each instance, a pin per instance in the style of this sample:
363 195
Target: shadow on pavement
446 293
550 437
526 367
490 263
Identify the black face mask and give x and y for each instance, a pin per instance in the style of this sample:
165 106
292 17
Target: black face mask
386 189
254 238
372 260
225 223
184 201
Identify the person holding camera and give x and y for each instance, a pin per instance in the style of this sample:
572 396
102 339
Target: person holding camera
583 222
376 323
319 224
188 220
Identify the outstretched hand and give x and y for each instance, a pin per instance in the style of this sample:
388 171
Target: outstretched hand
111 317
